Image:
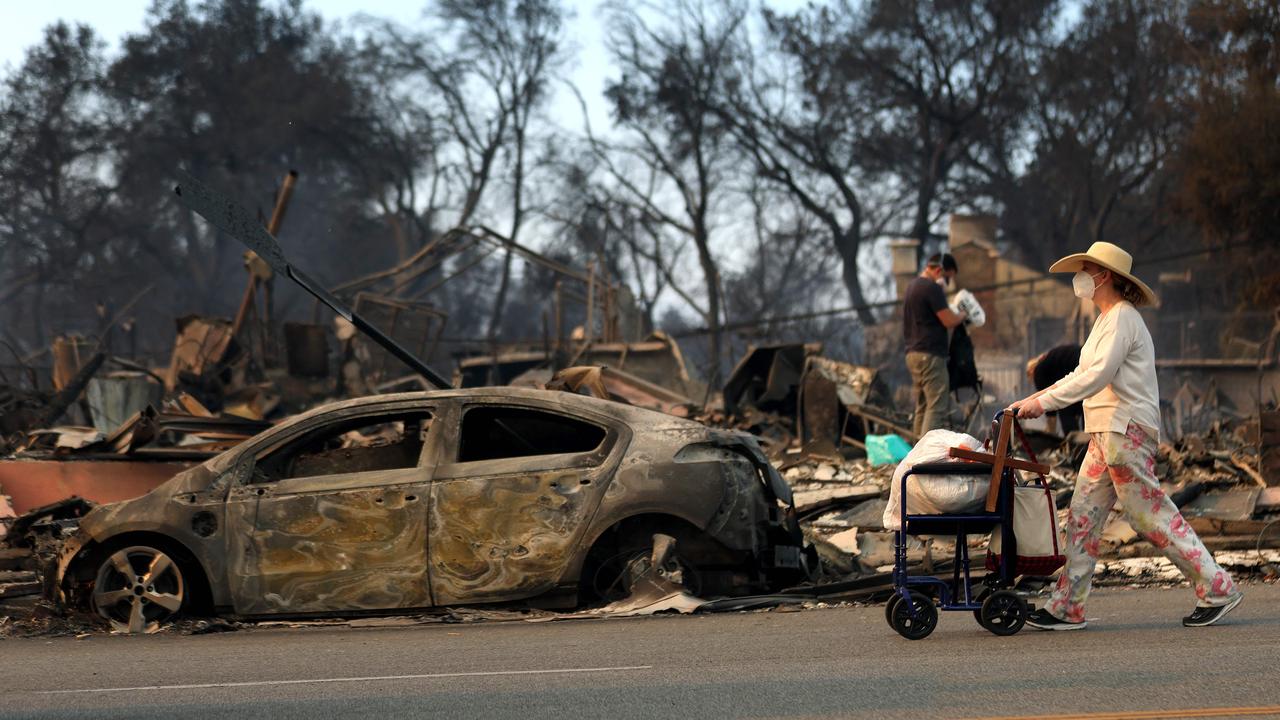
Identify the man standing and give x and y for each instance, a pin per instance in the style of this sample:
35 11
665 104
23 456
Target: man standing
925 321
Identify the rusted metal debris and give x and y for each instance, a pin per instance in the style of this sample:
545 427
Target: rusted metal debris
768 377
791 395
181 429
49 465
32 483
841 403
202 346
656 360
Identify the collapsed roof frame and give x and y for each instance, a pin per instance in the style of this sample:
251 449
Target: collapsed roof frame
600 291
234 220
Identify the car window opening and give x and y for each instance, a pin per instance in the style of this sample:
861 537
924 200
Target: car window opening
385 442
493 433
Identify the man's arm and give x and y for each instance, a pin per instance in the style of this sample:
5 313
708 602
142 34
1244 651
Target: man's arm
950 319
938 304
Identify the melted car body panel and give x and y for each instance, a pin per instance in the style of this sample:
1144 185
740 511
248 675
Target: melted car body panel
315 549
505 529
504 536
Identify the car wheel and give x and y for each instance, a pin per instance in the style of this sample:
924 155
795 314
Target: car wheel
616 577
138 588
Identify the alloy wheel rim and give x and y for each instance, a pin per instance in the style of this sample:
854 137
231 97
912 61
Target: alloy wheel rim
138 588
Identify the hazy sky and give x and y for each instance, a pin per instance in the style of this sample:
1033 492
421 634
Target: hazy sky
22 23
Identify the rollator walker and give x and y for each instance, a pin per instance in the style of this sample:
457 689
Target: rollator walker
911 611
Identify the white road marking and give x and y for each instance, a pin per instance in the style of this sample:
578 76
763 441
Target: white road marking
373 678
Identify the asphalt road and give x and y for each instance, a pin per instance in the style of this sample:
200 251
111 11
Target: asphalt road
844 662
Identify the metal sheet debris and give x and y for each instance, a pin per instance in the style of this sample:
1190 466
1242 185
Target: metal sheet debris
1234 504
33 483
114 398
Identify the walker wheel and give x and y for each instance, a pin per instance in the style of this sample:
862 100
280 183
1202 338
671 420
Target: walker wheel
1003 613
925 620
889 604
981 598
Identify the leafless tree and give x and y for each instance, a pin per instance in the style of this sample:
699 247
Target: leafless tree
474 82
802 121
598 222
1105 119
942 77
785 264
671 162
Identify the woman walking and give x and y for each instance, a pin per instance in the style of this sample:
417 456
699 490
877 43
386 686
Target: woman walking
1116 379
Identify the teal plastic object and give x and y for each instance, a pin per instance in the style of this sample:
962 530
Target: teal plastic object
886 449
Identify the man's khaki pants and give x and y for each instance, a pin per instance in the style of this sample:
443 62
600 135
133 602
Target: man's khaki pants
931 384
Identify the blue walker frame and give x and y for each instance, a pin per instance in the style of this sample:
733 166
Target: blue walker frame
958 592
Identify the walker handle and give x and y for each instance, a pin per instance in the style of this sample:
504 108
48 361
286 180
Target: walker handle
1017 429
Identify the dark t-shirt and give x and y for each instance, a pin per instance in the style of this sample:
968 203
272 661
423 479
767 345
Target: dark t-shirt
921 328
1056 364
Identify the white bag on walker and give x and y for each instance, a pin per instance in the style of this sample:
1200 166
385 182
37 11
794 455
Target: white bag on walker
936 494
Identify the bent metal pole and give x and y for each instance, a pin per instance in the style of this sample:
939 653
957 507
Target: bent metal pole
234 220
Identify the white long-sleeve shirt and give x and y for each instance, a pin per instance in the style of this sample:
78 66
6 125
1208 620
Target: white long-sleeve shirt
1116 377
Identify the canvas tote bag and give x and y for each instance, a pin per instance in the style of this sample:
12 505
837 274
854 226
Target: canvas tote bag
1035 527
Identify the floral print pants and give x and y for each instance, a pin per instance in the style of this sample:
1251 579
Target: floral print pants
1124 466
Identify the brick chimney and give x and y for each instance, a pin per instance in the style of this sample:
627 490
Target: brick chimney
904 265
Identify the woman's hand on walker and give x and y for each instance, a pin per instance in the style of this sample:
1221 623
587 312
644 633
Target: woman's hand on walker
1028 409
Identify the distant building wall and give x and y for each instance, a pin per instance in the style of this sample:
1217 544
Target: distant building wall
1027 311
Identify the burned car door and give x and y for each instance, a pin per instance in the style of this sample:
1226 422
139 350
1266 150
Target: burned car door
512 495
338 520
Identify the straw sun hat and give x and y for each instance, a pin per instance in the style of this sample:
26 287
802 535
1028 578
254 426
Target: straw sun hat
1110 257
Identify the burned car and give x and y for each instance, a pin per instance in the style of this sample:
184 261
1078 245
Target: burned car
439 498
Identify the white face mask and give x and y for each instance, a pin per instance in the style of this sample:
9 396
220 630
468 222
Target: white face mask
1084 285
